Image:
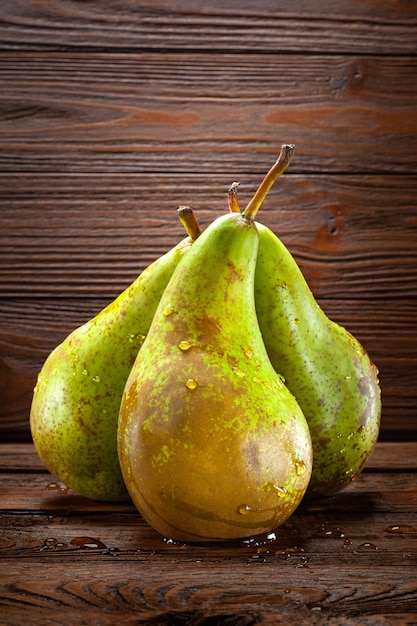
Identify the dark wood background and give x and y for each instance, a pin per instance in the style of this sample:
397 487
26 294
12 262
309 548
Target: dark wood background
112 113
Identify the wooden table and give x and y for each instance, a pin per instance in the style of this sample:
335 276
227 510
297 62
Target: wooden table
350 559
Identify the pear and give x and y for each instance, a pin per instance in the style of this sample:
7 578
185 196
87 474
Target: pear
211 443
325 367
76 400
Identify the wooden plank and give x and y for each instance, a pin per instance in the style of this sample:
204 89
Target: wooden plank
35 327
273 574
41 491
393 456
306 538
388 456
237 593
349 559
31 329
199 113
68 235
243 26
20 456
64 237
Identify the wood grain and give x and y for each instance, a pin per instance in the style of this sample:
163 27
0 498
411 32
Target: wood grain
389 456
206 113
114 113
365 27
29 331
70 244
349 559
111 227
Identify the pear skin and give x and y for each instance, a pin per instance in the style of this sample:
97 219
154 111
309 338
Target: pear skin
76 400
324 366
211 443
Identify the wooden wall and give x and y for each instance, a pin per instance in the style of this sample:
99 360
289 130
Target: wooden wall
112 113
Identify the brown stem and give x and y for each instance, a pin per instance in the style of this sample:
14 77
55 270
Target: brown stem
232 198
189 221
279 167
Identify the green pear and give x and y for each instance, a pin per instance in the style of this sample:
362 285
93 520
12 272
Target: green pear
211 443
325 367
76 400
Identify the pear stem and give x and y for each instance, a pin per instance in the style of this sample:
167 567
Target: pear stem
232 198
279 167
189 221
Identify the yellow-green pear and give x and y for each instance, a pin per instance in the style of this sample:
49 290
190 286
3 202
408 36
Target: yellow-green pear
211 443
325 367
76 400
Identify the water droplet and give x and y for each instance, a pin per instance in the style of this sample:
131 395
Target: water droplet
346 544
249 542
280 491
168 310
367 546
244 509
191 383
50 542
238 372
286 553
335 533
88 542
84 372
96 379
40 381
283 554
136 338
57 487
185 345
295 550
400 529
300 467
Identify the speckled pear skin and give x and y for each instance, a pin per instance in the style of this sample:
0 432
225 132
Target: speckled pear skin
212 445
324 366
77 397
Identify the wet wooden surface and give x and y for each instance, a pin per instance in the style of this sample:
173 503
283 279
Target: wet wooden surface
346 560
